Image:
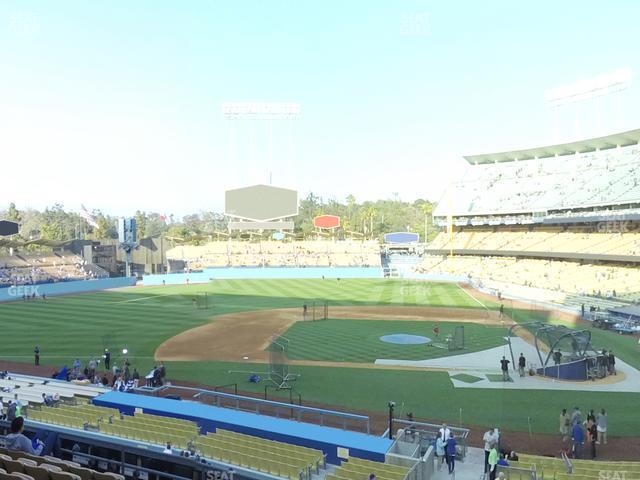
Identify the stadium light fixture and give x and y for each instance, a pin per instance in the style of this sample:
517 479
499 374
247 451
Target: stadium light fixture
261 110
589 88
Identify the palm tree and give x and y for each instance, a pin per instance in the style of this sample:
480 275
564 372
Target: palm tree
426 208
370 213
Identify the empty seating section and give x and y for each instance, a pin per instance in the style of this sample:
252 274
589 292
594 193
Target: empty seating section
276 458
73 416
152 429
268 456
560 276
608 177
556 468
34 269
553 241
272 253
359 469
20 465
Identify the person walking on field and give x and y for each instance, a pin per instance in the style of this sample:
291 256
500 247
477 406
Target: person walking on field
522 363
36 355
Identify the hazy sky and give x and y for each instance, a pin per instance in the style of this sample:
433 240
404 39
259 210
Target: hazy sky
117 104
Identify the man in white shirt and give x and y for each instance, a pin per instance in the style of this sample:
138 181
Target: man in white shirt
168 450
445 432
490 438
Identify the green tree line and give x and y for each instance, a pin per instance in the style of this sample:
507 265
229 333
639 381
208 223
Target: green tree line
368 219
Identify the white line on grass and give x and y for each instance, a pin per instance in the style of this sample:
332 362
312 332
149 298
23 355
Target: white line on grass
474 298
142 298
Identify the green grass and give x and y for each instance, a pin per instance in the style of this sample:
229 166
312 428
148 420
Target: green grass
142 318
466 378
359 341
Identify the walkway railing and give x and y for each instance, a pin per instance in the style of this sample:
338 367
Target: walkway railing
290 411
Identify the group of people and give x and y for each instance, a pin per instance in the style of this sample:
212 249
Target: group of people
123 379
446 448
504 367
591 431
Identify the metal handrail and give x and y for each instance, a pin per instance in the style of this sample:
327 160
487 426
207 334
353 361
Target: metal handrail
299 409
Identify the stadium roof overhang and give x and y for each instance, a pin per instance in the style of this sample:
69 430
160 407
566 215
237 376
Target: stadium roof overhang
624 139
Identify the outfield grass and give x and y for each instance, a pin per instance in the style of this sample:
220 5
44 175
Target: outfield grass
142 318
359 341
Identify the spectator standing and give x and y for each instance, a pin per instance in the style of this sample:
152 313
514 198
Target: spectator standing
450 451
493 462
576 416
93 366
11 411
77 366
489 438
440 446
445 432
601 426
577 436
565 423
593 438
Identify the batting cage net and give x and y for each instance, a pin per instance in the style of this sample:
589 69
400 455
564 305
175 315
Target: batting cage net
203 301
313 310
278 372
456 340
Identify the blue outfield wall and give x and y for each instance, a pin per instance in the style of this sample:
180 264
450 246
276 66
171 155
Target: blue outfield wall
210 418
238 273
10 294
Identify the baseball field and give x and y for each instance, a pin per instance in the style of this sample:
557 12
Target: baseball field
204 332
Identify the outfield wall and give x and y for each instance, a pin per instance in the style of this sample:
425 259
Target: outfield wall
10 294
245 273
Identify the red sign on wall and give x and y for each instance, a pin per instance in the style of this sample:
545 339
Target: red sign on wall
326 221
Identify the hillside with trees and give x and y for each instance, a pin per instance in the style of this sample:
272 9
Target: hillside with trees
368 219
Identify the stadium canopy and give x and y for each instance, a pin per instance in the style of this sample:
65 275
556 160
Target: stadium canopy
625 139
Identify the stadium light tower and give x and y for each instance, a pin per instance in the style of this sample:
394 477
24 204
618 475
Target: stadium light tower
584 90
261 111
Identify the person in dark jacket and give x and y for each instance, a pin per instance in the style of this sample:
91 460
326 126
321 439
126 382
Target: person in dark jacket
450 452
107 359
36 355
577 435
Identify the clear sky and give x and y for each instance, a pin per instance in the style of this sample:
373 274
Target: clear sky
117 104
